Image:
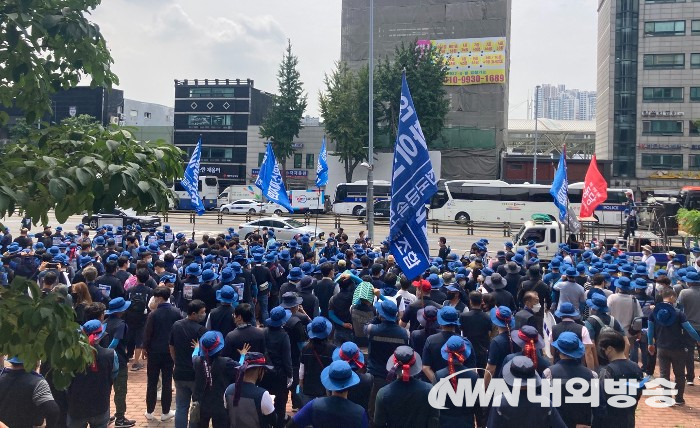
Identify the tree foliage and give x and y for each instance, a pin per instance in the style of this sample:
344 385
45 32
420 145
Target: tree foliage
345 112
84 167
283 121
689 221
46 46
41 329
425 73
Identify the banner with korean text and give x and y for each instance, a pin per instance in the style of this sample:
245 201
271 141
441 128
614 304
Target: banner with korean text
472 61
413 183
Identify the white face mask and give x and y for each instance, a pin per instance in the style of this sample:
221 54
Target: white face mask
536 308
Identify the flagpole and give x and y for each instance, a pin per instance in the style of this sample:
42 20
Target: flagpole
318 208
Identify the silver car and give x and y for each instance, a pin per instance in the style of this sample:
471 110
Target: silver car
285 228
243 206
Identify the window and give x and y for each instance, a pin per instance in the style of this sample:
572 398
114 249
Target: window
666 1
662 161
297 160
662 127
664 28
693 129
310 161
695 60
210 121
261 157
663 95
664 61
211 92
695 27
694 162
147 115
695 94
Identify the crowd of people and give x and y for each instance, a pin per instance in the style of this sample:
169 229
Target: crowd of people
243 325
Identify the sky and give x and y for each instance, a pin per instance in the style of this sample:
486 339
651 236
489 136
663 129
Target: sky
154 42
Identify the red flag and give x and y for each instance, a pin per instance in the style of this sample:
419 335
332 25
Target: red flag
595 190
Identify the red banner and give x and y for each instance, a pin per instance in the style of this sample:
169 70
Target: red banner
595 190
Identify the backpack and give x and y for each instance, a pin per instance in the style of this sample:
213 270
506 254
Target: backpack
139 305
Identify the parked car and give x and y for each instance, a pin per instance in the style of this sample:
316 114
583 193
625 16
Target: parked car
381 210
243 206
121 217
285 228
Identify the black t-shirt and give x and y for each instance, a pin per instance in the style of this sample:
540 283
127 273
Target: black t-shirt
476 326
671 337
340 305
410 315
115 286
116 329
182 334
606 416
122 275
314 363
431 353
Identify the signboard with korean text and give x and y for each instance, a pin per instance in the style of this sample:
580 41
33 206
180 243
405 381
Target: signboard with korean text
289 173
472 61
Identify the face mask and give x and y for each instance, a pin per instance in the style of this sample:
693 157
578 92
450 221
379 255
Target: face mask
462 282
676 266
149 261
536 308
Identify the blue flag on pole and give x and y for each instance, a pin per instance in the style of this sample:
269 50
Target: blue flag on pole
191 180
270 180
560 187
413 183
322 167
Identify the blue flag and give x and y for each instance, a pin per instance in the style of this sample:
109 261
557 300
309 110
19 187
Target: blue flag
191 180
322 167
413 183
560 187
270 180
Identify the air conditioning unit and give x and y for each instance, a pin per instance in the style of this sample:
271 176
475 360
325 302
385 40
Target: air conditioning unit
114 120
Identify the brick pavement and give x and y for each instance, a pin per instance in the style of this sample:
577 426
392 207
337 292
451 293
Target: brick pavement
687 416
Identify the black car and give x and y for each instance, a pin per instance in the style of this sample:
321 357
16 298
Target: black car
381 210
121 217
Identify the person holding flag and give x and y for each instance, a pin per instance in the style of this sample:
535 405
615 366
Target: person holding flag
595 190
413 184
560 193
270 180
190 181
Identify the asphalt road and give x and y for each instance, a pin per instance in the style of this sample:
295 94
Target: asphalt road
457 236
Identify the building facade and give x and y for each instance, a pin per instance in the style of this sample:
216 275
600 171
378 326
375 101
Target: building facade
648 89
151 121
220 111
559 103
477 121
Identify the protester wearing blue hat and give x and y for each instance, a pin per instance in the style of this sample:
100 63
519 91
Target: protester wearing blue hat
221 318
316 355
115 338
338 378
569 346
456 353
319 328
278 317
295 274
567 310
386 309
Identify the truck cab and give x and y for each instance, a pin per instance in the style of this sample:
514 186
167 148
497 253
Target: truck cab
545 231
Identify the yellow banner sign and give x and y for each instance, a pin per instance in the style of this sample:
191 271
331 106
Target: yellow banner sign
472 61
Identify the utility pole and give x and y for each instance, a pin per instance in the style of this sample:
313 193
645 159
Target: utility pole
370 154
537 136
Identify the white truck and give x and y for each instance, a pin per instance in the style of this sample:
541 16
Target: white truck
234 193
546 232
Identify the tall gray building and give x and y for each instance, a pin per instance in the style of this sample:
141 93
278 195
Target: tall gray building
648 89
558 103
478 116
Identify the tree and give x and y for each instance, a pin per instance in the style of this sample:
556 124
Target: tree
425 72
85 167
345 113
689 221
21 129
46 46
283 121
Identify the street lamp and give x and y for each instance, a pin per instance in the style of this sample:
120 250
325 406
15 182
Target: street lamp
534 163
370 155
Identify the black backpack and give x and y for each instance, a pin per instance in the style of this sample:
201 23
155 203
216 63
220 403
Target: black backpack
139 305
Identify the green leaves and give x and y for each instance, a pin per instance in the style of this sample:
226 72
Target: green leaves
79 166
41 329
47 46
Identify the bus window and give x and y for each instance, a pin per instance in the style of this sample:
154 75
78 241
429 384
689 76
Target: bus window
341 193
540 195
514 194
486 193
616 197
211 181
575 196
179 187
439 199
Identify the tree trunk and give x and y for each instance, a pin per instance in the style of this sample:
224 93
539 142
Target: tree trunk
348 171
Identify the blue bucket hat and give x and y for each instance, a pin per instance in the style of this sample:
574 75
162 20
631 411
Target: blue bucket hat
54 250
292 243
598 302
571 271
94 327
502 316
117 305
170 278
518 258
227 275
193 269
210 343
350 353
271 257
569 344
665 314
435 281
624 283
387 309
640 284
456 345
319 328
278 317
660 272
339 376
307 268
626 269
448 315
227 294
566 310
691 277
99 240
284 255
236 268
295 274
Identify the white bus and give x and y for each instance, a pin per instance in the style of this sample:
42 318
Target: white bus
350 198
208 188
498 201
